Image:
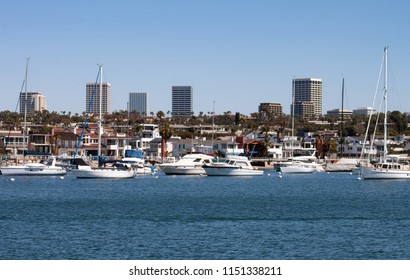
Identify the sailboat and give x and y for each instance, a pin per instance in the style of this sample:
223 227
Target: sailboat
84 170
297 166
48 168
342 164
386 168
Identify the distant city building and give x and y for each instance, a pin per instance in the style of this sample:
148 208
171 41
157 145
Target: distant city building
338 112
273 108
307 90
365 111
106 98
35 102
138 102
305 109
182 101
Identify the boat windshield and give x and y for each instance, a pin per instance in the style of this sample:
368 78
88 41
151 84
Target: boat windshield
241 163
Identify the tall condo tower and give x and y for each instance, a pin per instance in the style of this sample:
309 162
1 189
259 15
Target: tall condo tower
182 101
95 105
138 102
35 102
307 97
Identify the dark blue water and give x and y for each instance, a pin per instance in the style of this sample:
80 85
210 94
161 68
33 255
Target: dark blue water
319 216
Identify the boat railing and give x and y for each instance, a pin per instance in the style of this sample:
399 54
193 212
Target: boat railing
169 160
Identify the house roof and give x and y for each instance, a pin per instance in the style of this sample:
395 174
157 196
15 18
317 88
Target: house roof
67 136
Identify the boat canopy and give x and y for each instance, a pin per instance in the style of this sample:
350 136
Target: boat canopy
133 154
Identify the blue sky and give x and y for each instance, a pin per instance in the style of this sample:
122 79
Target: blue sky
236 53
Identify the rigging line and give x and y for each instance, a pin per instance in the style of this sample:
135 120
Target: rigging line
394 92
21 90
80 139
372 111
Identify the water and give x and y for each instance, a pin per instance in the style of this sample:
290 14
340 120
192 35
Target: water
319 216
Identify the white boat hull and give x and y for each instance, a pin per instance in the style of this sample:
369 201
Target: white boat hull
231 171
379 173
183 170
341 165
104 173
143 170
190 164
33 170
294 169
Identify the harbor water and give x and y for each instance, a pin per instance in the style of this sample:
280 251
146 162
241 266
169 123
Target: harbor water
318 216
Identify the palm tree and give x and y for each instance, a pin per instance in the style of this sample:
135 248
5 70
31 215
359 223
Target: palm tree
166 132
265 129
160 115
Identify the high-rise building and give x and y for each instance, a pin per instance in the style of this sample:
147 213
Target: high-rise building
305 109
182 101
305 91
95 105
35 102
274 109
138 102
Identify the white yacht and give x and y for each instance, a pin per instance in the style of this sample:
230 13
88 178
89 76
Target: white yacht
232 166
48 168
85 171
386 170
299 167
190 164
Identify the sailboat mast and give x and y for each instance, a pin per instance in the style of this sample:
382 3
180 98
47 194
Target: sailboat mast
213 125
385 105
99 115
293 116
341 125
25 114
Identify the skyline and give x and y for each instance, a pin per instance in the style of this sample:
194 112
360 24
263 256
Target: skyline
236 53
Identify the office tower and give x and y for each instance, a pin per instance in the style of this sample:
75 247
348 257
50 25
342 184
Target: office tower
35 102
138 102
307 97
95 105
275 109
182 101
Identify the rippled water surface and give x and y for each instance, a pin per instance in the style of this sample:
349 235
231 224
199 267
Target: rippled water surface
319 216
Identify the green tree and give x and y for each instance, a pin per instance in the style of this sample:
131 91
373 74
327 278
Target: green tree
265 130
160 115
332 147
399 121
166 132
